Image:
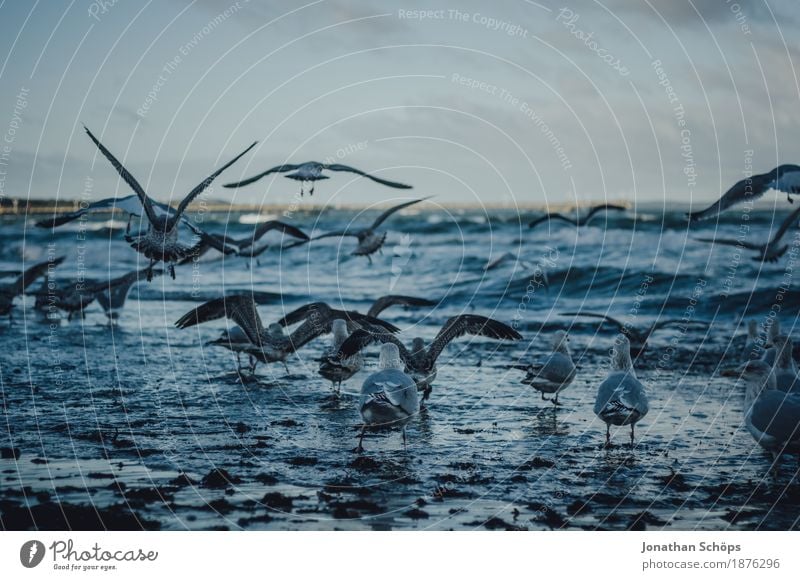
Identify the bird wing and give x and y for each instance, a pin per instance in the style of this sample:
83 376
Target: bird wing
385 215
362 338
777 414
729 242
270 225
605 317
240 309
340 167
473 324
249 180
129 205
204 184
324 312
664 323
750 188
552 216
30 275
218 242
790 220
251 252
336 234
115 291
128 178
385 302
604 207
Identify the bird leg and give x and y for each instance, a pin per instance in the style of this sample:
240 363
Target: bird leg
544 398
360 448
405 446
608 434
285 366
171 268
555 401
253 364
311 191
128 228
632 427
369 257
239 362
150 271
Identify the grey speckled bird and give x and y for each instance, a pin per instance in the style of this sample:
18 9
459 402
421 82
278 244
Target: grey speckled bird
553 374
389 397
771 416
10 291
621 398
785 369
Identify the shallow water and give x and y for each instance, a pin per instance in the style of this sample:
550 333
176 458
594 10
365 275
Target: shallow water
124 427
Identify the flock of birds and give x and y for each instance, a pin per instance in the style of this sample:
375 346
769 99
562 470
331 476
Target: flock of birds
398 391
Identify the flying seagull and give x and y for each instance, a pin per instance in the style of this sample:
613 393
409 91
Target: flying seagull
388 397
771 251
243 246
578 221
420 361
784 178
74 296
369 241
311 171
385 302
10 291
637 337
160 242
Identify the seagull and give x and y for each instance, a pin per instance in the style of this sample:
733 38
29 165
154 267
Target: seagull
267 345
753 349
621 399
771 251
577 221
420 361
390 300
75 296
784 178
10 291
773 330
785 369
337 370
637 338
114 295
311 171
555 373
370 241
771 416
243 247
354 320
389 397
160 242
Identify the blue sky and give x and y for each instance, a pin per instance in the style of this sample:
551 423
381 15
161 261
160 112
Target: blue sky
498 103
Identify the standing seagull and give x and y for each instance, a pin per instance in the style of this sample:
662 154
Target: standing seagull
370 241
753 349
784 178
785 369
160 242
555 373
10 291
621 399
577 221
771 416
420 362
389 397
338 370
311 171
770 251
637 338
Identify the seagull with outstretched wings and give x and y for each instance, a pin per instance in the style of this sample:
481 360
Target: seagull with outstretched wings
369 240
420 359
770 251
784 178
311 171
160 241
578 221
